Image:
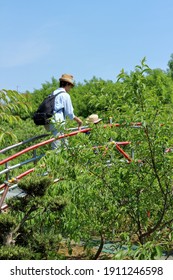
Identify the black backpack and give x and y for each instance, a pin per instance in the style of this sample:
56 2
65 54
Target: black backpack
45 110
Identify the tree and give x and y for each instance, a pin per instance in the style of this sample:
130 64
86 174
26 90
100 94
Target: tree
20 238
100 193
11 105
170 65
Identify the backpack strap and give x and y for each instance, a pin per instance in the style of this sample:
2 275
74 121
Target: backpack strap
57 93
54 99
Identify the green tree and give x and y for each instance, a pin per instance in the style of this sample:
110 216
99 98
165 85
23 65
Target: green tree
20 238
100 193
170 65
11 105
110 198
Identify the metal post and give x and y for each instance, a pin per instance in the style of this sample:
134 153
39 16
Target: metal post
7 174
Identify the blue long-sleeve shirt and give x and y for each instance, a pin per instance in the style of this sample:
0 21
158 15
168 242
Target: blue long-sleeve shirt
63 106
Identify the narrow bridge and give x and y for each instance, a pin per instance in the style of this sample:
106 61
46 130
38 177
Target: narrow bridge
9 188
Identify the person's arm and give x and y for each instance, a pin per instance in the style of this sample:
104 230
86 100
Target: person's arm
68 108
79 121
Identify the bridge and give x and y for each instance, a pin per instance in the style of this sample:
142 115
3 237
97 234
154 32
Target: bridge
9 188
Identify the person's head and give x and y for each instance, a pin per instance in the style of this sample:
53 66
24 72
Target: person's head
93 119
66 81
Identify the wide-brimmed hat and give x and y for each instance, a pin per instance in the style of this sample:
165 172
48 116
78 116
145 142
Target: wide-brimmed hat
67 78
93 119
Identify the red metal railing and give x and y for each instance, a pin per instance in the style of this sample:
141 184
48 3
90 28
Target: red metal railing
6 185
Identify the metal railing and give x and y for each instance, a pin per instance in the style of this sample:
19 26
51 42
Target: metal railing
9 184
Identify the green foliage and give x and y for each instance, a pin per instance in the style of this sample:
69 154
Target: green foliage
135 198
16 253
148 251
98 192
96 96
18 228
35 185
12 106
6 223
170 65
43 242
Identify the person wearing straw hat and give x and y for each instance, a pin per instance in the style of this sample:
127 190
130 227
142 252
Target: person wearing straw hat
93 119
63 108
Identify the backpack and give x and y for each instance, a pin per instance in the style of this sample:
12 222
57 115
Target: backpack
45 110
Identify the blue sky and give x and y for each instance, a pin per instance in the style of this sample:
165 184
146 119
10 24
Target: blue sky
41 39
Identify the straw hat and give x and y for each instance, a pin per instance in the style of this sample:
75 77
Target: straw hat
67 78
93 119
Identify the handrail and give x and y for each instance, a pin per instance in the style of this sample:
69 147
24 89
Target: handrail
23 142
42 144
6 185
36 158
74 129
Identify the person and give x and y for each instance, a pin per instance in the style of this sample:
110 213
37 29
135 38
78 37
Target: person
93 118
63 108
